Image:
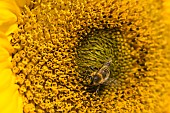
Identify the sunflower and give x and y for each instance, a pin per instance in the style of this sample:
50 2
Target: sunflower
58 44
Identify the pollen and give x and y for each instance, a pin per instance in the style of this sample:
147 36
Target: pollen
59 43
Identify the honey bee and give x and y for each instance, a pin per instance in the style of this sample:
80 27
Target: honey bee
101 76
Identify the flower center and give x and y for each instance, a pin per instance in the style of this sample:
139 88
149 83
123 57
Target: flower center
99 45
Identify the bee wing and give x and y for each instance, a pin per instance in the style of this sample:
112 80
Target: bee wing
108 62
112 82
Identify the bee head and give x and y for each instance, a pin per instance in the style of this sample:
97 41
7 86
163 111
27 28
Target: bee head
95 78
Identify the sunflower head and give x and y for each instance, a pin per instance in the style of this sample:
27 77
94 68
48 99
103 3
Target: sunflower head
60 43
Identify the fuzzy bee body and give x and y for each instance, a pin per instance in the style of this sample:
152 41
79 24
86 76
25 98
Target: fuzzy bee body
101 76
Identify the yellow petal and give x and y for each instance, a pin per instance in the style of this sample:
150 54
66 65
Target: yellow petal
8 89
10 5
12 103
21 3
7 21
4 43
6 78
10 100
4 54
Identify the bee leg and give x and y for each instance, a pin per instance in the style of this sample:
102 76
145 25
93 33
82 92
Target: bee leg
92 68
98 87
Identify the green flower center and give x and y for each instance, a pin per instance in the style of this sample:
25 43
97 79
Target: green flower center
99 45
